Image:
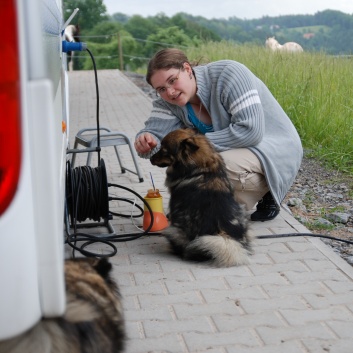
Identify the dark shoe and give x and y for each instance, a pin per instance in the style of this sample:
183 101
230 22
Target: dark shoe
266 209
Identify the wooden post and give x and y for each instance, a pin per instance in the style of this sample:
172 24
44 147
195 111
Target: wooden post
120 46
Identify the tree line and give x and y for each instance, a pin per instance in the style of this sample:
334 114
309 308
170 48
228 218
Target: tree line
140 37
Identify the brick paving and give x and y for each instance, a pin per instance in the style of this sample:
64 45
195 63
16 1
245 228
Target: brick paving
296 295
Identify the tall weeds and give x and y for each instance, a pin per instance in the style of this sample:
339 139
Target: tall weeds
316 91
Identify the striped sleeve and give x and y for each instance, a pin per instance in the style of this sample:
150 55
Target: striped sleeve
240 97
161 121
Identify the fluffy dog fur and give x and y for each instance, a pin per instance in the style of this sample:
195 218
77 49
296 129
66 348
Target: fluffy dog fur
207 224
93 321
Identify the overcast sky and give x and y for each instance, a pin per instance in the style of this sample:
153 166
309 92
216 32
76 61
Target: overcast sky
244 9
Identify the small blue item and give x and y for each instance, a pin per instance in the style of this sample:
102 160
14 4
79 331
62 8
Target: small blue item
73 46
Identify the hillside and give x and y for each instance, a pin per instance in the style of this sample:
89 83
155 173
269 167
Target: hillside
328 31
135 39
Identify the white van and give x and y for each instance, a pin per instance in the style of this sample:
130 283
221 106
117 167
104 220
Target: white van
33 142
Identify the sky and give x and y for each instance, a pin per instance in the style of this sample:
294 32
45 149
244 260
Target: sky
243 9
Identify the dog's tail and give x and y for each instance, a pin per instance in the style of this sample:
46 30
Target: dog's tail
219 251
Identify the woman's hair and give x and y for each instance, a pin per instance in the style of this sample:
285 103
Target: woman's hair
166 59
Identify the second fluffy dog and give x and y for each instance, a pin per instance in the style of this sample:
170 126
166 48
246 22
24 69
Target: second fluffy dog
207 224
93 321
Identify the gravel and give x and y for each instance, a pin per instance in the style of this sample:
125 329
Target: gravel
140 81
320 198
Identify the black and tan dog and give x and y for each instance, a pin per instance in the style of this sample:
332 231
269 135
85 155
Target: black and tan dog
92 323
207 224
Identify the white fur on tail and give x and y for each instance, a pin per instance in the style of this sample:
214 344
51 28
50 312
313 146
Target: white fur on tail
225 252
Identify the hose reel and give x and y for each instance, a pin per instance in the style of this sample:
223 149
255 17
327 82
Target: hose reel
87 198
87 193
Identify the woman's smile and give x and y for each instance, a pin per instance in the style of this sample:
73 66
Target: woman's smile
176 96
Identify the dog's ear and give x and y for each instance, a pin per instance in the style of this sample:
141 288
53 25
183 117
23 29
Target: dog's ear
189 145
102 266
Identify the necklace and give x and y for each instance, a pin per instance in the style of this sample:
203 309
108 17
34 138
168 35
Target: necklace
200 109
205 119
195 118
199 105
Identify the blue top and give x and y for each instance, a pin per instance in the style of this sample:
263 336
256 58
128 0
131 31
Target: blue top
201 126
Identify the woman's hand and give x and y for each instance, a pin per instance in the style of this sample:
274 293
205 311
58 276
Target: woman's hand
145 143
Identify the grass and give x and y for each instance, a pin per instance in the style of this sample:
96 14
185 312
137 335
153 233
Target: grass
319 226
314 89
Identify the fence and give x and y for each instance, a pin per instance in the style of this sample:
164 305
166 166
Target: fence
120 52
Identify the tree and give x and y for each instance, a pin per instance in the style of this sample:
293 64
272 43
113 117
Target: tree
91 12
120 17
104 32
172 36
140 27
107 55
161 20
193 29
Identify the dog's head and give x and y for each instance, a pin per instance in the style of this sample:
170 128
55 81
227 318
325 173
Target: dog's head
184 148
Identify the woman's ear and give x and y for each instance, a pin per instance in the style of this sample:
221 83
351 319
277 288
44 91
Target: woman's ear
187 68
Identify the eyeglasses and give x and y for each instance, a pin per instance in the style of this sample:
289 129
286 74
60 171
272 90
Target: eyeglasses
171 82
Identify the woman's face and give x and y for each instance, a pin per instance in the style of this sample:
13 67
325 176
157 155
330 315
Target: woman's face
176 86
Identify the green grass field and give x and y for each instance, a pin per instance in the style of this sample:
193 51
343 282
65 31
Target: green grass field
316 91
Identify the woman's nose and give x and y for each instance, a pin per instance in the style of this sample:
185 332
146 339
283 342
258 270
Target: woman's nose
170 91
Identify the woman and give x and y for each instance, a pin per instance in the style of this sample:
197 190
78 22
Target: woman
235 110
